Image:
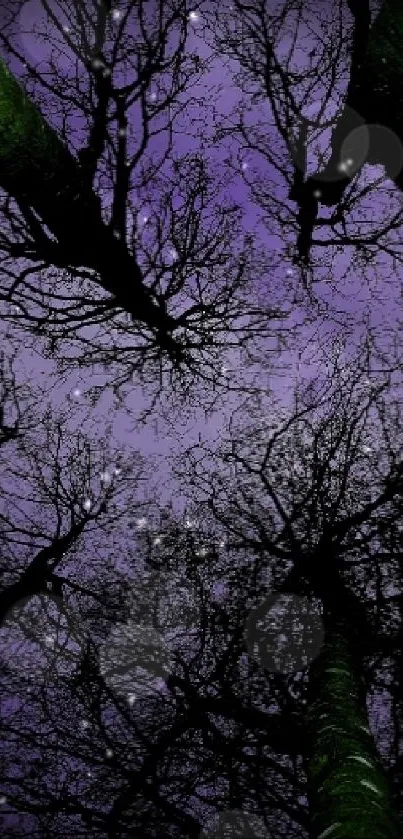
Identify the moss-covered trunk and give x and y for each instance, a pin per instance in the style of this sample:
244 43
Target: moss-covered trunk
37 169
347 790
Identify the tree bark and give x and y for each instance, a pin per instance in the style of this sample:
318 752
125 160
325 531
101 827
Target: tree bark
39 171
374 96
375 91
347 790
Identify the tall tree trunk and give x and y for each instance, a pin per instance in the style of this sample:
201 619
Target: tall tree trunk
375 91
347 790
38 170
375 94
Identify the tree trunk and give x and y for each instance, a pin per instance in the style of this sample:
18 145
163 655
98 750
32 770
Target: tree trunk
347 790
38 170
374 96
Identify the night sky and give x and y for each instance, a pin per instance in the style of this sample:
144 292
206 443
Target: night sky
346 294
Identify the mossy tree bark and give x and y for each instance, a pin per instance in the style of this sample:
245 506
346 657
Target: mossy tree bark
42 175
348 794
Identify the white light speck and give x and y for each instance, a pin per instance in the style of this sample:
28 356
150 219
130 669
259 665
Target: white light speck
317 193
117 471
66 29
157 541
109 753
345 165
116 14
153 96
84 724
194 17
76 392
122 132
141 522
105 477
145 219
3 800
49 641
289 272
87 505
131 698
245 166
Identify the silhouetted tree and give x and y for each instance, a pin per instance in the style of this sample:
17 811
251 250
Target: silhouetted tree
314 494
75 252
321 99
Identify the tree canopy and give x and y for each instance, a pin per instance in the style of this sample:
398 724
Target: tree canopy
201 215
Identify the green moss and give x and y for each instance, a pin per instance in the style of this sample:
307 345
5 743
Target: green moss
31 153
347 789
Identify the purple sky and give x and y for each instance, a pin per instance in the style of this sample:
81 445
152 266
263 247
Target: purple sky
350 296
375 291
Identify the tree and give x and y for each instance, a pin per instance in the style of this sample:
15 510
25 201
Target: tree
57 196
312 496
374 93
151 761
188 705
65 489
164 689
308 72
